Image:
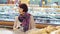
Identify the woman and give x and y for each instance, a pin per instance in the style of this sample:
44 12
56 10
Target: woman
25 20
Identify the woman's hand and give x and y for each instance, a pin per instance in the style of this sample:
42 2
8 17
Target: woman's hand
15 28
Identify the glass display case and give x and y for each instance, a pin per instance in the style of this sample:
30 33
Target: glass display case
8 12
41 15
51 2
36 2
46 15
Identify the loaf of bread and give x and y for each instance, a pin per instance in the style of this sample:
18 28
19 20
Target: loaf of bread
39 31
57 27
47 30
55 32
50 28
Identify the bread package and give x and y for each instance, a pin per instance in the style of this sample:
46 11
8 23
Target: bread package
39 31
55 32
50 28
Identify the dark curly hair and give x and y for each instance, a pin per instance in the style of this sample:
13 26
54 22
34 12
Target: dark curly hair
24 7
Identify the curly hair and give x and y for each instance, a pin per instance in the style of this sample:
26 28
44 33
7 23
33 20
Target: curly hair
24 7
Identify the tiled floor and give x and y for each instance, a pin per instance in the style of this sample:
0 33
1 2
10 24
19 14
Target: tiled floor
9 31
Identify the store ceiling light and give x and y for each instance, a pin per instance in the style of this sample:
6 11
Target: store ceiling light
33 0
43 2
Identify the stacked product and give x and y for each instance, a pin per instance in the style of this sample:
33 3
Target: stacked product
46 30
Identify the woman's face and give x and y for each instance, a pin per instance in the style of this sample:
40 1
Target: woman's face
21 11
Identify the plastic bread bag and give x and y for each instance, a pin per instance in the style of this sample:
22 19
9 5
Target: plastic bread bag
55 32
37 31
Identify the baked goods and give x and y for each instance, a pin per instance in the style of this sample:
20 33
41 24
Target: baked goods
55 32
39 31
57 27
47 30
50 28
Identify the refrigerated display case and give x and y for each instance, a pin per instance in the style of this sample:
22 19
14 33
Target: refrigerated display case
49 16
7 12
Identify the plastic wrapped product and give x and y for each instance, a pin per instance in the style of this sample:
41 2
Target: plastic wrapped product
55 32
50 29
38 31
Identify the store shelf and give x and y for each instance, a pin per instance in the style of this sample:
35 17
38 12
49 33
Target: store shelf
8 12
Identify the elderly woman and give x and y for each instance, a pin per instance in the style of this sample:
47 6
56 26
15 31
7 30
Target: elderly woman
24 21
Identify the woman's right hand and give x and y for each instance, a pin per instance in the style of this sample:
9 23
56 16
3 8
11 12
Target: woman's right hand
15 28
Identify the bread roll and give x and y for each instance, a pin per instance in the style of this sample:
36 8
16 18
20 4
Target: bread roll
57 27
50 28
39 31
55 32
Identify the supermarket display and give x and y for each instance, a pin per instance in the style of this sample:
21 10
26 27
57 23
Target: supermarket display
38 31
7 12
45 15
47 30
55 32
57 27
41 15
51 2
50 28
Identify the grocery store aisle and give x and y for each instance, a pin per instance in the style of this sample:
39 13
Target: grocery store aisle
9 31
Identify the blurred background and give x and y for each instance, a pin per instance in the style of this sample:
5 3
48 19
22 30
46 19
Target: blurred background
45 12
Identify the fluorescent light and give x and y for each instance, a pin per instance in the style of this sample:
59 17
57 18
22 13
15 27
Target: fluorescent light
33 0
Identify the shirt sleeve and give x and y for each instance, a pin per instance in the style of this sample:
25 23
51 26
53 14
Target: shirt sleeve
32 22
16 23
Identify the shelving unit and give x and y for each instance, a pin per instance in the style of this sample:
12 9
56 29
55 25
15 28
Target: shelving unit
7 12
45 15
